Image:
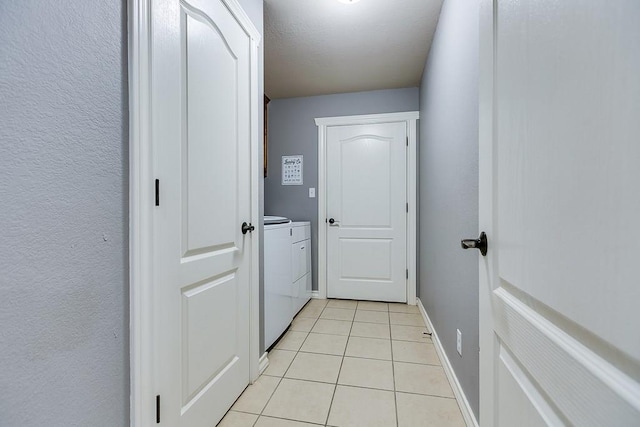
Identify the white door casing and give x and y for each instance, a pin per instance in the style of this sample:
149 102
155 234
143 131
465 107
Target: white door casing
194 290
559 200
366 183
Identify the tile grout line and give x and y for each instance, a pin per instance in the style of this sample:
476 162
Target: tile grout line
357 357
269 399
414 363
362 386
393 371
286 370
297 352
352 386
339 371
282 418
348 336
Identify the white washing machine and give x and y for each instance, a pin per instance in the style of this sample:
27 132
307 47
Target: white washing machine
277 277
287 273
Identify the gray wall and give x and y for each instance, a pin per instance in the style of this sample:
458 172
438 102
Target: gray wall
449 187
64 213
292 131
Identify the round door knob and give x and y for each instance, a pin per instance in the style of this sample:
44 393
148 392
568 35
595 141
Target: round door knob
332 221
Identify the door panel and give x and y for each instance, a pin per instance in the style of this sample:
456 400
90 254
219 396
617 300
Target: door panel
366 195
517 391
559 198
365 182
209 332
210 110
366 259
201 142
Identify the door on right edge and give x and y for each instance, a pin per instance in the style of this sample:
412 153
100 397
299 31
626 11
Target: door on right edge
367 212
560 202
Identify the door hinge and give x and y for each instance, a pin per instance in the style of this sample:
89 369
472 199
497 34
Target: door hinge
407 207
407 141
157 192
158 409
407 273
291 232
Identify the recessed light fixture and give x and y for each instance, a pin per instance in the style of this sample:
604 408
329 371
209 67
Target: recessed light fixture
348 1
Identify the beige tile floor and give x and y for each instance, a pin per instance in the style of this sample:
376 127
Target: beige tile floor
350 364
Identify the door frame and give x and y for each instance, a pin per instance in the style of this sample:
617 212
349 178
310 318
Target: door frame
486 265
411 119
141 196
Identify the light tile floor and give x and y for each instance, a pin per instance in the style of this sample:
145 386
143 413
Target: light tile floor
350 364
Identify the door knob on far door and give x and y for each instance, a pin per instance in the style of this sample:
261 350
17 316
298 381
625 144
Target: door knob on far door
333 222
480 243
247 227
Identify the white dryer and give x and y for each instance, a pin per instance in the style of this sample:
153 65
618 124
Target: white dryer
300 265
287 273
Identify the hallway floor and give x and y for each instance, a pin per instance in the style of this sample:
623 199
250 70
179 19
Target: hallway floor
348 363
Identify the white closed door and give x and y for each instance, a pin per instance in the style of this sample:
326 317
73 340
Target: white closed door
200 94
367 212
560 202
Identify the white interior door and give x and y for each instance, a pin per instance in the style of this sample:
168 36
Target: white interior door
367 212
560 202
201 119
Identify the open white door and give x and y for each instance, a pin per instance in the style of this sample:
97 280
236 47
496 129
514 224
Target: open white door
560 202
367 212
193 311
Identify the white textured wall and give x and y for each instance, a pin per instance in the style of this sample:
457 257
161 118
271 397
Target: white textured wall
63 213
449 187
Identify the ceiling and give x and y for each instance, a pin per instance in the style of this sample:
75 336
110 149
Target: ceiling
315 47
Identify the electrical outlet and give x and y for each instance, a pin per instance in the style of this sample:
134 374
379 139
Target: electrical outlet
459 342
312 192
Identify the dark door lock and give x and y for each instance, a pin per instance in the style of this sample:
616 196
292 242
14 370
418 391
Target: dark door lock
247 227
332 221
480 243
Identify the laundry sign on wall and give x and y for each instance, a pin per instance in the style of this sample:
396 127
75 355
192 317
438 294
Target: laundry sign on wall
292 170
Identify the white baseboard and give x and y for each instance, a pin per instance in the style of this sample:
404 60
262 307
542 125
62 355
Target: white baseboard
315 294
263 362
463 403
